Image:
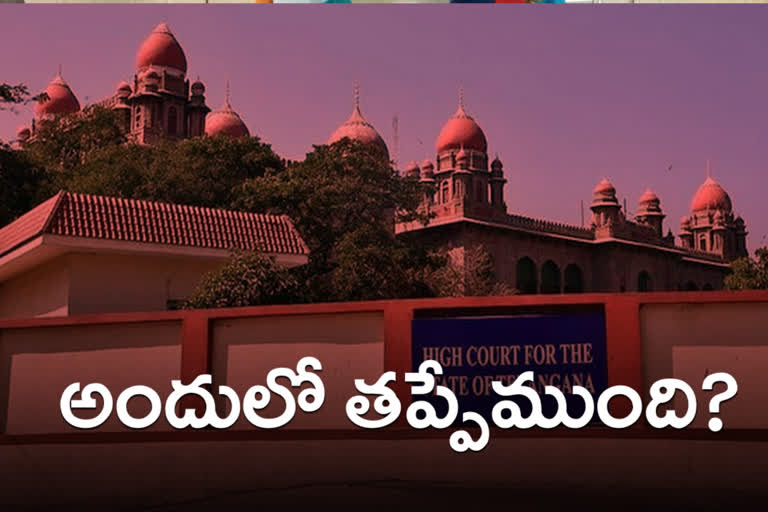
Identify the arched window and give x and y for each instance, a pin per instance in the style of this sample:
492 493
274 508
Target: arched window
644 283
526 276
172 121
550 277
444 196
691 286
574 281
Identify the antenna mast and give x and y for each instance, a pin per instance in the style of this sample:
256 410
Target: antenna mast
396 140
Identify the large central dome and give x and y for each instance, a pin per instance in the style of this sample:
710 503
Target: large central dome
711 196
357 128
160 48
461 131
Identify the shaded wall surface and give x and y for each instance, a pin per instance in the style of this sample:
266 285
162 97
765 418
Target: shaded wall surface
323 456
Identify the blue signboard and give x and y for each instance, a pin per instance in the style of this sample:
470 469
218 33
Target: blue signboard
562 349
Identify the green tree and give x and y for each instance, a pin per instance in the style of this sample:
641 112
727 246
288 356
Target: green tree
344 200
471 275
90 154
749 273
20 182
63 144
249 279
18 94
208 171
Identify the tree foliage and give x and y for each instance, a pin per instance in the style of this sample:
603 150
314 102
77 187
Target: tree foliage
249 279
749 273
89 153
344 199
467 274
66 142
20 183
17 94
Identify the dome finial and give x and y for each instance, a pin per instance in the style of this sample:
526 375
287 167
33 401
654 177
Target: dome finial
709 169
59 73
461 97
227 94
356 95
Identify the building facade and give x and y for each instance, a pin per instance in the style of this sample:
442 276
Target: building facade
160 103
611 253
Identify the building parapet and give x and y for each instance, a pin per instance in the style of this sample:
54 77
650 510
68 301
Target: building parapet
547 226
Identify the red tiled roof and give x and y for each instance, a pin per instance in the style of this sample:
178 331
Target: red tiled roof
111 218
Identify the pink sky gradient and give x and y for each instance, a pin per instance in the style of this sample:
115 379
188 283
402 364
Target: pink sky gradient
566 94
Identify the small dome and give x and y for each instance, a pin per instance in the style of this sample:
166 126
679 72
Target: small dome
60 100
23 133
225 122
357 128
605 188
711 196
649 196
461 130
198 88
427 170
123 90
161 48
412 169
496 165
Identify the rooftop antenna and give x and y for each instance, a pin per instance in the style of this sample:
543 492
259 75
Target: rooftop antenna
396 140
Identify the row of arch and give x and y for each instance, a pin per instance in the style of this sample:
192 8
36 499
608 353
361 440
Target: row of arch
528 280
550 280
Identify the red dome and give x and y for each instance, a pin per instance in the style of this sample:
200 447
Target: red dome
461 131
161 49
605 187
61 99
710 196
225 122
357 128
649 196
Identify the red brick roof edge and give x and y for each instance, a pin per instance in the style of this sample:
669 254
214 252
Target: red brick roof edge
131 220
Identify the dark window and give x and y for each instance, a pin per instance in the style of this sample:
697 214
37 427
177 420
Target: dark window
526 276
707 287
172 121
691 286
644 283
444 198
550 277
574 280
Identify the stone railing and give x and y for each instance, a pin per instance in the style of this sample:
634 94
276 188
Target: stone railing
547 226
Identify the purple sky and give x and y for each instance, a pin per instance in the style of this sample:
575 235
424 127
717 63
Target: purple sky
565 94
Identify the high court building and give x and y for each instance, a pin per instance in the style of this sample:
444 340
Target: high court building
613 253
